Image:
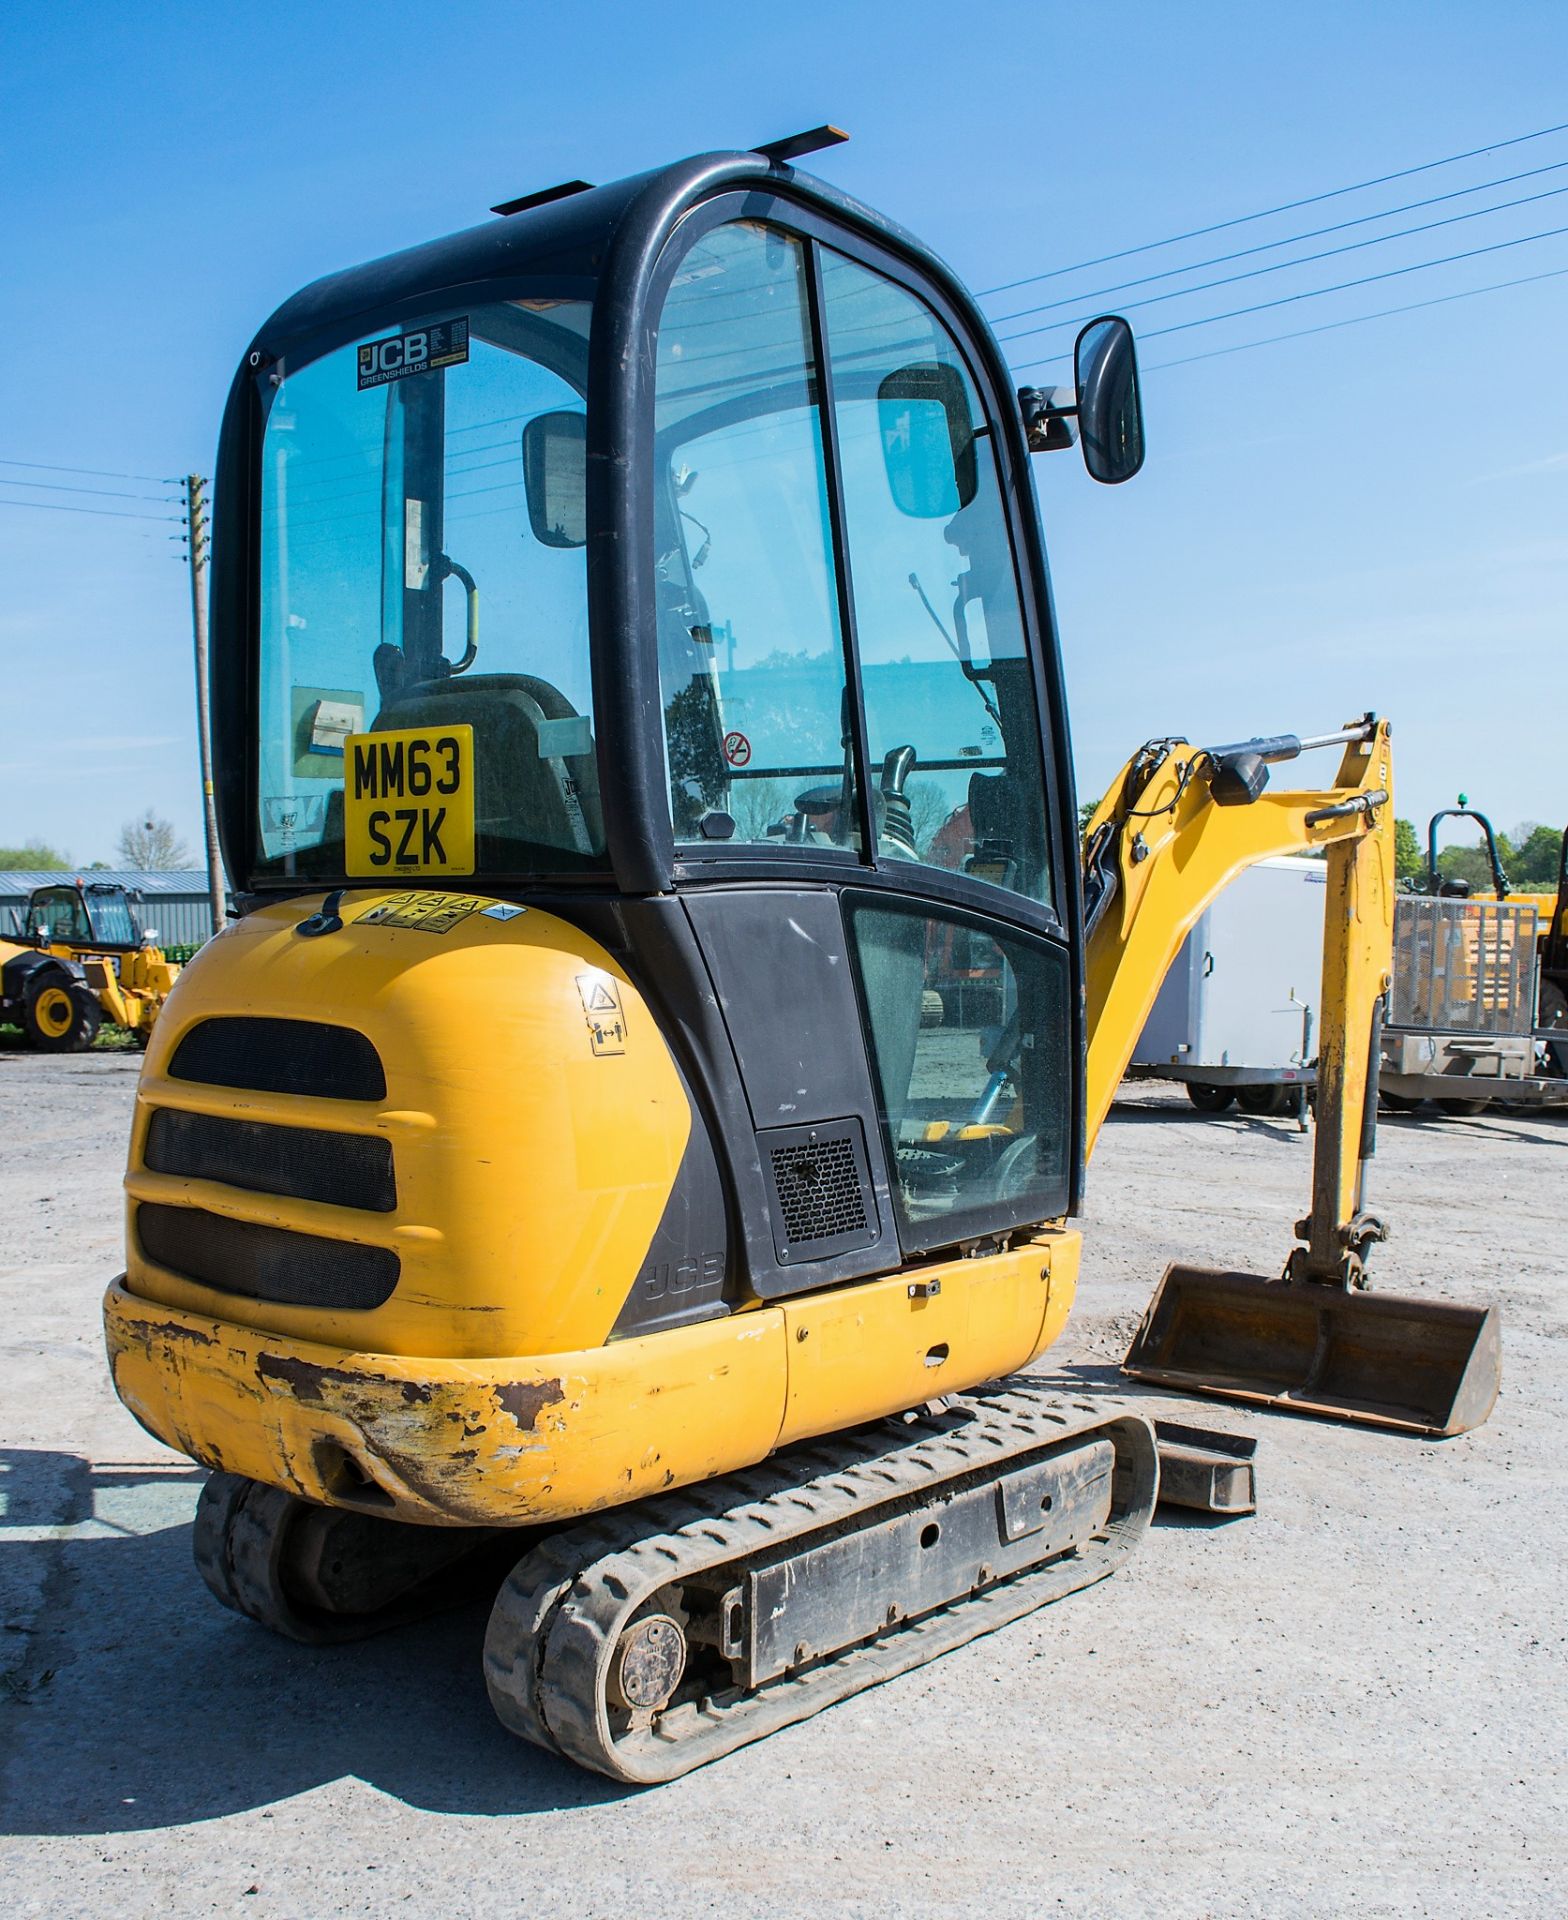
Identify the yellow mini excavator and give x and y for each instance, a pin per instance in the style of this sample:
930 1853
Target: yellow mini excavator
644 1097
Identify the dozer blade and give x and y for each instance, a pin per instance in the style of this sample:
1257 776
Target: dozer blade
1421 1366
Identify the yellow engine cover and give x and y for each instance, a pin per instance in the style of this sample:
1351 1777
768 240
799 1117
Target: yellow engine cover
536 1134
537 1124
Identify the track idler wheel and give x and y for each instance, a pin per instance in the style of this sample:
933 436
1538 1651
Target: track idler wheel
322 1575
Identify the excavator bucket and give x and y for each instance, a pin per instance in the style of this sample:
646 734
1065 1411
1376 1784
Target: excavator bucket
1419 1366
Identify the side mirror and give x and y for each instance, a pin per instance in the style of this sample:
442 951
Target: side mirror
1110 411
555 478
928 440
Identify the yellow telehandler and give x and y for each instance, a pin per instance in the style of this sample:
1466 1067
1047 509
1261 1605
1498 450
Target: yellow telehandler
93 923
645 1096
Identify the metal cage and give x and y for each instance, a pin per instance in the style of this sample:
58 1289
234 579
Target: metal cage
1463 966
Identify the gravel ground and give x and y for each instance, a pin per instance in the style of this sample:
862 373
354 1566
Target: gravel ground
1352 1703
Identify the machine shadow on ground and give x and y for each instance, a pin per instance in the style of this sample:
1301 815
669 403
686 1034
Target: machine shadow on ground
1475 1125
1279 1128
130 1700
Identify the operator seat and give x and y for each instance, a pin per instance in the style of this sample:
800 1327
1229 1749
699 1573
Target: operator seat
994 825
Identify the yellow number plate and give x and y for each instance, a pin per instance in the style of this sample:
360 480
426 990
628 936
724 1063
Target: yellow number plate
408 802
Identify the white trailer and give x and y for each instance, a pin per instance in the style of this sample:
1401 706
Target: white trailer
1235 1017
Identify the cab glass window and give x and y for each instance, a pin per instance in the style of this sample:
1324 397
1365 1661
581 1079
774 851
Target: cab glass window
60 911
751 656
968 1038
110 913
423 569
949 692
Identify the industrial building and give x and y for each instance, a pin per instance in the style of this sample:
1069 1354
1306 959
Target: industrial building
174 902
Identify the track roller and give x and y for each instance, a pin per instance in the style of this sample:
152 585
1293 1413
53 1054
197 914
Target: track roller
321 1575
662 1635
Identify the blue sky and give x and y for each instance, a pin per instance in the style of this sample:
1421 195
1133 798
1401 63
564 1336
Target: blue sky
1371 516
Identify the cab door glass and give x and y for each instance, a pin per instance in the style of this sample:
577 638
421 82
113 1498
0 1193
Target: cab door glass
968 1036
60 910
751 655
949 690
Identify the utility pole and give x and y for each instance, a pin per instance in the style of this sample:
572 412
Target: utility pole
199 546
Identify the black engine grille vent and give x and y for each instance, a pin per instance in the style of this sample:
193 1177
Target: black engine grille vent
820 1188
341 1169
266 1263
281 1056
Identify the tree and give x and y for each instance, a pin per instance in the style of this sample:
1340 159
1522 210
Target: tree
1409 859
151 845
756 805
1536 851
1471 865
929 812
1085 815
33 857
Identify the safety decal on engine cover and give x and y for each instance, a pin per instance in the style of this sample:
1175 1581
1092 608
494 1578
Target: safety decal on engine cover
424 912
600 994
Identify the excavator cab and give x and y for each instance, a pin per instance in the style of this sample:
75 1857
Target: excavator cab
736 637
645 1093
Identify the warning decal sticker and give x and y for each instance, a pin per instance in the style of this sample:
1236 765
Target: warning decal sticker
425 912
421 350
600 994
737 749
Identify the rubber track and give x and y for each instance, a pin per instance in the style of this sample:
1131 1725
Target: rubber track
216 1506
558 1618
240 1543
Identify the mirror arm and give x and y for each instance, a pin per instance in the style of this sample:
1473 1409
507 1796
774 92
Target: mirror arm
1049 415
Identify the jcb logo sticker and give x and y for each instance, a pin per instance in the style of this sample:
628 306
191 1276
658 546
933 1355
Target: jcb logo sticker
408 803
418 351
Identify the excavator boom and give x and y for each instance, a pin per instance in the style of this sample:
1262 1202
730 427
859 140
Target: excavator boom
1178 824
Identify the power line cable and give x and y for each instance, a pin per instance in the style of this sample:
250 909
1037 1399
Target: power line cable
1288 206
91 493
1360 319
104 513
96 473
1317 293
1270 246
1391 273
1283 266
